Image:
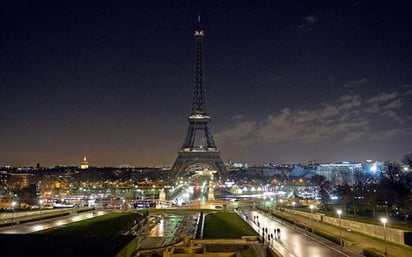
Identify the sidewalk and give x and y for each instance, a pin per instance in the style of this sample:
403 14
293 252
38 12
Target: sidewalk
354 242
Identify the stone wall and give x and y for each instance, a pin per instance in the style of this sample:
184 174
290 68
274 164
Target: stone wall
393 235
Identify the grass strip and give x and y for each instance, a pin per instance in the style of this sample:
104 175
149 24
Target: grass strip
249 252
109 225
226 225
99 236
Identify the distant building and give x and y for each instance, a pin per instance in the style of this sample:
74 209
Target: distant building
345 172
85 164
339 173
3 178
237 165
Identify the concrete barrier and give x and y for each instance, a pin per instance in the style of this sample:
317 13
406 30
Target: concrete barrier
393 235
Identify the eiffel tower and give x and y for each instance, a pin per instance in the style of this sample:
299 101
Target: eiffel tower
199 147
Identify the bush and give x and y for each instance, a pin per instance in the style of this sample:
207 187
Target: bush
372 252
328 236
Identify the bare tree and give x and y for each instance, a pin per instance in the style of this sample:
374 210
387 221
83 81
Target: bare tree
324 187
407 159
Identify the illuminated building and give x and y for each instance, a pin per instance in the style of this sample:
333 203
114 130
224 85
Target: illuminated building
85 164
343 172
339 173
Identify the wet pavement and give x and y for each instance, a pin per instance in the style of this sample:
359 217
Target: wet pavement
292 241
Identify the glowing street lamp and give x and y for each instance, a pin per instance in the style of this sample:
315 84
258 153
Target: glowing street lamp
41 206
12 211
339 212
311 218
384 220
294 214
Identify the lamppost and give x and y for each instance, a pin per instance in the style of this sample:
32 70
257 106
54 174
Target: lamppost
12 211
41 206
311 218
384 220
294 214
281 210
339 212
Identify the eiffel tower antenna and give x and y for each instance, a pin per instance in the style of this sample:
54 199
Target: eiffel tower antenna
199 146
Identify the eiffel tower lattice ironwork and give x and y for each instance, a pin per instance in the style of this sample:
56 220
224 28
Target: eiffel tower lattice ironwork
199 146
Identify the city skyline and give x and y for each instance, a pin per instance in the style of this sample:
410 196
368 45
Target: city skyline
285 82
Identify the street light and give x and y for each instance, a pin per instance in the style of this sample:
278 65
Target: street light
12 211
384 220
311 218
41 206
294 214
339 212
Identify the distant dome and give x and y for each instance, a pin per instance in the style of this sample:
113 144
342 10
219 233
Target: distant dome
84 164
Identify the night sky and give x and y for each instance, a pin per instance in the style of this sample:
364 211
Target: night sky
286 81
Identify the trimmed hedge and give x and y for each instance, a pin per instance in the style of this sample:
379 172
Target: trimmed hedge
408 238
371 252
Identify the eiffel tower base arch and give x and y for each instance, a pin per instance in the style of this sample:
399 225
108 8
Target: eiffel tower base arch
186 159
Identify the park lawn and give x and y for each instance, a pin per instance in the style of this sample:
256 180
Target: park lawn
99 236
109 225
226 225
249 252
177 211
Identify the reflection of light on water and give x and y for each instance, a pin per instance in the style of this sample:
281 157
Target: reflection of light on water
166 226
158 230
161 228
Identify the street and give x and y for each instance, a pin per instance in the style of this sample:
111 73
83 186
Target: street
293 241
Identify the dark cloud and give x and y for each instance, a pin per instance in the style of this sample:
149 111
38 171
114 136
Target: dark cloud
347 119
309 23
356 83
